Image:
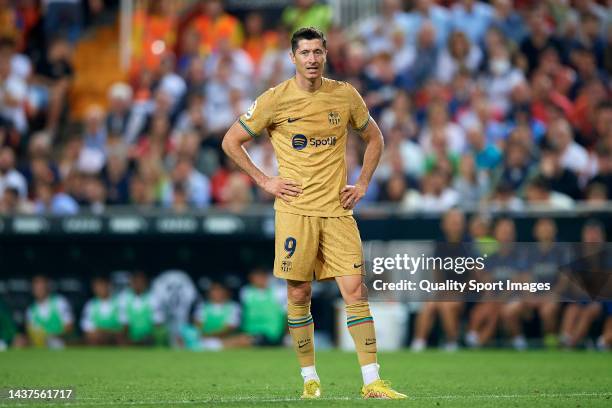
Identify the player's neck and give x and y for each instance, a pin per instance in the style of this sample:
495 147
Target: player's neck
308 85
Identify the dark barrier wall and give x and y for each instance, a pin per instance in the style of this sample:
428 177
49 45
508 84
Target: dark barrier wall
201 245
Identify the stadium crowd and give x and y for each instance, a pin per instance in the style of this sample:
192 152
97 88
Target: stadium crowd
171 311
500 104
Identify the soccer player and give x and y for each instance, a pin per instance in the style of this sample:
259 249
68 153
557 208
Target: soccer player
102 315
49 318
448 307
141 313
316 236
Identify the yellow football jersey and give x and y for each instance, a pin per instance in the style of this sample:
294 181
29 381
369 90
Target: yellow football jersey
309 132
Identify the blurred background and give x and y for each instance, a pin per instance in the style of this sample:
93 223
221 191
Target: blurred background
114 189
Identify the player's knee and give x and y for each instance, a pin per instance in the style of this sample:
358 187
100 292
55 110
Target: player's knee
355 294
299 293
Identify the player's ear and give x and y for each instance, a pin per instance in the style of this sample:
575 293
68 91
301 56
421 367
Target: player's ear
292 56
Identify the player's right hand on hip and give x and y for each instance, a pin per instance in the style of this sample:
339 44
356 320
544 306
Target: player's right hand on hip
282 188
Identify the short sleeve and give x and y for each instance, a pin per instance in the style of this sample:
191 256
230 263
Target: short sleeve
87 324
198 313
65 310
158 313
234 318
360 116
259 115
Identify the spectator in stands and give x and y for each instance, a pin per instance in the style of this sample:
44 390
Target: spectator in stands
196 184
539 38
377 31
95 195
470 184
487 155
538 194
94 135
504 199
154 32
9 176
275 67
11 203
168 81
101 320
49 318
508 21
426 57
559 179
516 169
382 82
237 194
472 18
116 178
447 306
437 196
141 314
257 40
64 16
190 52
500 78
119 110
307 13
8 21
263 314
458 54
213 24
428 13
603 165
588 106
438 122
54 73
56 203
13 104
141 197
225 96
154 182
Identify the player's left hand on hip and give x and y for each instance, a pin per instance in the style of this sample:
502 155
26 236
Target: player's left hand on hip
350 195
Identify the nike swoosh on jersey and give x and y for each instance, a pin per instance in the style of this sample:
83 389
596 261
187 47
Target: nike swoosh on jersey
289 120
357 266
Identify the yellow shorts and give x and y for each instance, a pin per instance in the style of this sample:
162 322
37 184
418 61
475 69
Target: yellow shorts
309 248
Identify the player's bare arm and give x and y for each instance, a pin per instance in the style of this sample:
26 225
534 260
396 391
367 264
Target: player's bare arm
350 195
232 145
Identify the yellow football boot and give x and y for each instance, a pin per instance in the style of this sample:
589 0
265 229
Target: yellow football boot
312 389
380 389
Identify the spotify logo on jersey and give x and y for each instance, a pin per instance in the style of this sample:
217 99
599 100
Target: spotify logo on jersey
299 142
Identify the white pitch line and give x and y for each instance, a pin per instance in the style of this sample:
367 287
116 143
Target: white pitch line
101 401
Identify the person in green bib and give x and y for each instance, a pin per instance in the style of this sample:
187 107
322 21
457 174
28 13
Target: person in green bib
217 319
102 318
141 314
49 318
263 311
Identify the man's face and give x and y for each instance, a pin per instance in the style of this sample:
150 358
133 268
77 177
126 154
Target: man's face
40 288
309 58
545 230
101 288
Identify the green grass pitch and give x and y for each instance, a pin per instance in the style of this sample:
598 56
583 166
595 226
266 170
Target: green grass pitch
165 378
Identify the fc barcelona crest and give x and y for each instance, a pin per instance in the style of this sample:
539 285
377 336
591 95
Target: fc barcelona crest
334 118
286 266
